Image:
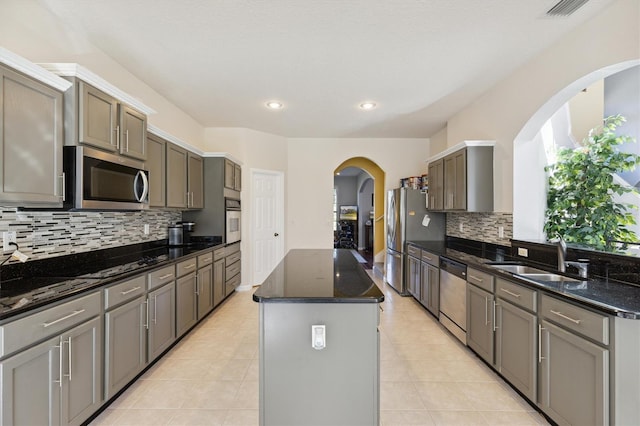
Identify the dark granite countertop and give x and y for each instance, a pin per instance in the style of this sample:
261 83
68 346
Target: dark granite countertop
610 296
34 284
319 276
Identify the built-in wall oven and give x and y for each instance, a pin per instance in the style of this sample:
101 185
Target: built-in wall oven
232 220
103 181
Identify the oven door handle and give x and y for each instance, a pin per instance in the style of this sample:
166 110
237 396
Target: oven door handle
145 186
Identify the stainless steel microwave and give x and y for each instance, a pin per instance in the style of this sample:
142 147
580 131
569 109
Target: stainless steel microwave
97 180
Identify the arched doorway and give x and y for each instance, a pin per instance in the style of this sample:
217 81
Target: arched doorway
378 176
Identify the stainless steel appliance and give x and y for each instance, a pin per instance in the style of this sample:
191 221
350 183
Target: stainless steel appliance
187 229
105 181
232 220
453 297
406 210
175 235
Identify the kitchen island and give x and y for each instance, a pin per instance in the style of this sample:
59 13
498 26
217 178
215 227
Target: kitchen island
319 341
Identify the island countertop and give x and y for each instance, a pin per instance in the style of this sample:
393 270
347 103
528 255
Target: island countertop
319 276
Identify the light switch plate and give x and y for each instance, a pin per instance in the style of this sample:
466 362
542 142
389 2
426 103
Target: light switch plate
318 337
8 237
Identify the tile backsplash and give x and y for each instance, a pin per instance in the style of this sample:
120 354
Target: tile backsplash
42 234
481 226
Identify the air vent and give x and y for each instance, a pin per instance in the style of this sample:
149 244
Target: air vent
566 7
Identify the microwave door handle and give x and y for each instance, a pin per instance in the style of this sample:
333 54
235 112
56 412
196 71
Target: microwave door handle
145 186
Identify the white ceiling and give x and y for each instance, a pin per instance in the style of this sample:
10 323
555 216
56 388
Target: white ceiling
419 60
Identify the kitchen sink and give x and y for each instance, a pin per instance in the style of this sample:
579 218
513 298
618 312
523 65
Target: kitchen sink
518 269
548 277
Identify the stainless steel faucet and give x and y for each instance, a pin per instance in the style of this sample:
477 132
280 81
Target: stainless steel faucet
562 254
582 266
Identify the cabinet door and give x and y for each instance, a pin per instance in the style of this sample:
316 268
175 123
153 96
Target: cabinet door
186 308
195 181
218 282
125 337
205 291
162 320
516 347
98 115
480 321
156 163
229 170
31 385
413 275
133 133
460 185
430 288
82 372
237 177
574 379
436 188
31 129
176 176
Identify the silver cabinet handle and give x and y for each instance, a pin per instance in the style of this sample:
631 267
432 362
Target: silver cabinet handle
72 314
69 359
155 309
129 291
473 277
510 293
495 327
193 265
486 310
118 136
62 192
126 139
561 315
165 276
59 382
197 286
146 310
540 357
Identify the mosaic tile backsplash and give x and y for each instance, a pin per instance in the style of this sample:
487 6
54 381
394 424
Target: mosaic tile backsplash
481 226
42 234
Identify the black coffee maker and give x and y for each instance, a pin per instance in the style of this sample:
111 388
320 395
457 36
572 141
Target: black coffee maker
187 229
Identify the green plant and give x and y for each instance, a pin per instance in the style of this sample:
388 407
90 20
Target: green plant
581 205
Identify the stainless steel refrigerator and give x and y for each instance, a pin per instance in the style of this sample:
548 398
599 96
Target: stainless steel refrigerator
406 210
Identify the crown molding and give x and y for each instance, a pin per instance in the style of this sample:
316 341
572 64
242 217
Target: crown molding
27 67
77 70
174 140
458 147
223 155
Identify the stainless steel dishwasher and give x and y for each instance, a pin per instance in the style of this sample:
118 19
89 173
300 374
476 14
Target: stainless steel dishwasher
453 297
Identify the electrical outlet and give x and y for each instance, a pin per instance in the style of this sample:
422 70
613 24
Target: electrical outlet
8 237
500 231
146 229
523 252
461 227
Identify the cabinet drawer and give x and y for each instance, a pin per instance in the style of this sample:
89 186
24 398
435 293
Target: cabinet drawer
480 279
414 251
232 284
233 258
186 266
219 253
124 291
516 294
30 329
232 270
430 258
575 318
161 276
205 259
230 249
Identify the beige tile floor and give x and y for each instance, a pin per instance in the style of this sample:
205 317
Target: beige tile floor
427 377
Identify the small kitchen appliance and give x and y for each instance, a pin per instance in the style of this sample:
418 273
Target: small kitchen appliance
176 235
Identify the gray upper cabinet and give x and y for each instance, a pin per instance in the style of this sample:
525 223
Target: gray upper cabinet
176 176
157 166
31 139
133 131
195 181
462 180
95 118
232 175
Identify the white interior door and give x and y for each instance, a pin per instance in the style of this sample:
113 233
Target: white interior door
267 222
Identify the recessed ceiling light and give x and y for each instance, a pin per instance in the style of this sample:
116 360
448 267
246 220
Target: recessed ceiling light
367 106
274 105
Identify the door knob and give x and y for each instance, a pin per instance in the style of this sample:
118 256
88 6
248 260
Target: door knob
275 234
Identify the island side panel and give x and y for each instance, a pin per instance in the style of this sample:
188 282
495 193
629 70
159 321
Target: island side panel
337 385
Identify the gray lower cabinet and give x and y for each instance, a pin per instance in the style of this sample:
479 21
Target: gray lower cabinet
516 344
218 282
232 269
162 320
413 276
186 303
31 138
430 288
205 290
55 382
125 338
480 322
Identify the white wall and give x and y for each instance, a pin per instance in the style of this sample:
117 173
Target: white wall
32 32
501 113
310 179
